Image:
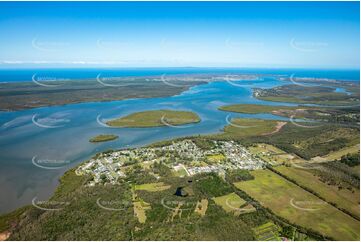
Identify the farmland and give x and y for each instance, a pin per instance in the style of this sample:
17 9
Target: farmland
267 231
299 206
232 203
344 198
151 187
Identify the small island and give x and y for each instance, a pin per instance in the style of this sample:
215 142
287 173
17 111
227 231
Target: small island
155 118
103 138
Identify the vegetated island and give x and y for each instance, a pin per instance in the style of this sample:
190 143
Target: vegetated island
26 95
311 94
339 114
103 138
155 118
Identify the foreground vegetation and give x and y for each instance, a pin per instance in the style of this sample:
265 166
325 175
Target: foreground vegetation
75 222
142 206
118 212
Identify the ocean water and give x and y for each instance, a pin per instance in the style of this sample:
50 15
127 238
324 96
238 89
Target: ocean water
22 75
60 134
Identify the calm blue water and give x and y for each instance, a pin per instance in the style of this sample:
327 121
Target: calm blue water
61 133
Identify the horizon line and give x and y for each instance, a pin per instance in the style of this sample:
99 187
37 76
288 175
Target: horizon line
177 67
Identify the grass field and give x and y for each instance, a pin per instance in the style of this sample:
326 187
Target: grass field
299 206
271 154
266 232
181 172
139 210
343 198
155 118
232 203
103 138
151 187
244 127
217 158
336 155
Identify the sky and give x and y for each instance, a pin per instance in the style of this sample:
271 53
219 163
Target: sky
171 34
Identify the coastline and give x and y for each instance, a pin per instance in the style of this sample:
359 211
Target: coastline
144 144
85 87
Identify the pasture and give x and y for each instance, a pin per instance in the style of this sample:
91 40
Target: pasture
151 187
343 198
232 203
293 203
336 155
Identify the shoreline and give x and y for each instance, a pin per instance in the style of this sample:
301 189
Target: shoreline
147 144
76 86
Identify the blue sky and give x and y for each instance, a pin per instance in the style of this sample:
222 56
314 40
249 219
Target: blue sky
223 34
